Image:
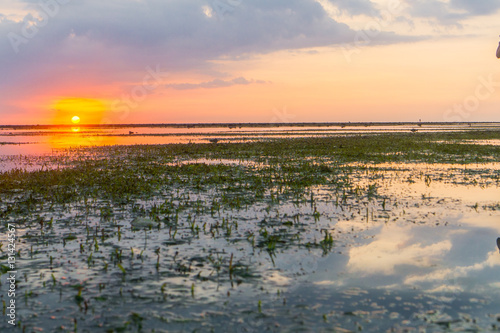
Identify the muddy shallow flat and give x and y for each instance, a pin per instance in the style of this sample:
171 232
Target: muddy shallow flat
372 232
52 139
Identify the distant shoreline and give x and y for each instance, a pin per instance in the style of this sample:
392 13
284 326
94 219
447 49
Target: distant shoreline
251 125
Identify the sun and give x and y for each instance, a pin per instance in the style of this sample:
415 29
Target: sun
79 111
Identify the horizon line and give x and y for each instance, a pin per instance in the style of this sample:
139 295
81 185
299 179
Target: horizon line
257 124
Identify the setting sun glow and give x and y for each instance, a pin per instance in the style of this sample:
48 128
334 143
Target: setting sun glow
79 110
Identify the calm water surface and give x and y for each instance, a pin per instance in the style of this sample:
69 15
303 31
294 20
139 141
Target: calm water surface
44 140
424 260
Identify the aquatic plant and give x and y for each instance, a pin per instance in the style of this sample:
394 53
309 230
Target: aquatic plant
206 228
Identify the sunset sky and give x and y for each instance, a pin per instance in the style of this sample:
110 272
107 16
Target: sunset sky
172 61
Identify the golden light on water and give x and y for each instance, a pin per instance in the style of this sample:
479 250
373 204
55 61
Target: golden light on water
79 113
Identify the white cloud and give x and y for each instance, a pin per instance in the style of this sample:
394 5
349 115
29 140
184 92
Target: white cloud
14 10
450 274
348 7
117 36
394 247
452 12
217 83
109 42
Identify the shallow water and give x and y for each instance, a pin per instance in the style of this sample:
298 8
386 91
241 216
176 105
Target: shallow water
37 140
420 255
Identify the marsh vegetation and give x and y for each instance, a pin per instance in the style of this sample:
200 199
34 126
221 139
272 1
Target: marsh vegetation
354 232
